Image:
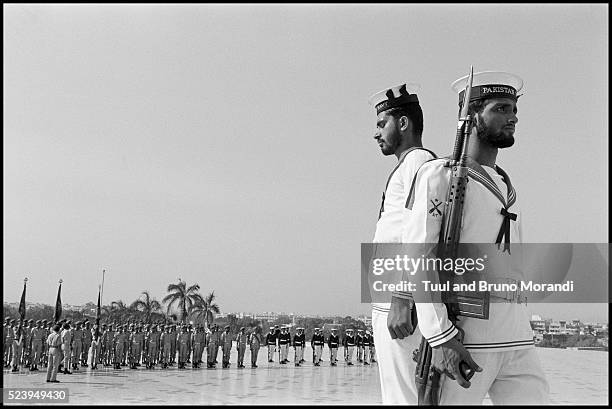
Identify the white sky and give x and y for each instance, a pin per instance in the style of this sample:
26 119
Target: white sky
231 145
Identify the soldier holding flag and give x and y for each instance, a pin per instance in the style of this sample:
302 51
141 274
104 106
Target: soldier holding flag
87 338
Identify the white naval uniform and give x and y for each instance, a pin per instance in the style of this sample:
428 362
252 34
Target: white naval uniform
394 356
502 345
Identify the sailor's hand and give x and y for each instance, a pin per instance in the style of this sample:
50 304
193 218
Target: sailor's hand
399 320
449 358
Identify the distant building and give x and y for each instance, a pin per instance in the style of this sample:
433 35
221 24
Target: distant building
538 326
554 328
366 319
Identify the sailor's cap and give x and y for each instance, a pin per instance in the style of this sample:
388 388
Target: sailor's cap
241 328
271 327
490 84
227 327
394 97
317 329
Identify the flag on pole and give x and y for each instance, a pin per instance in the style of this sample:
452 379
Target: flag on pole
58 304
22 304
98 316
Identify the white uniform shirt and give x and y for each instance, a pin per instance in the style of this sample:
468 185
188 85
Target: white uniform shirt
508 325
389 225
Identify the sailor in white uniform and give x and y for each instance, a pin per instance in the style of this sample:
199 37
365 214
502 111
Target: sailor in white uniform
499 348
399 127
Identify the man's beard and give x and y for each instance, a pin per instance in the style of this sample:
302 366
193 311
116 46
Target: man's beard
497 139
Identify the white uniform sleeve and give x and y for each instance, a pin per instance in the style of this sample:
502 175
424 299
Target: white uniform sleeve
422 225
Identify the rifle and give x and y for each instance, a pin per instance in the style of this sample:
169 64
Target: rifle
427 378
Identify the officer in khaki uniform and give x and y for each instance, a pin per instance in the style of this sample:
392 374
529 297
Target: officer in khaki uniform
173 337
119 346
139 347
106 342
184 346
77 345
10 337
18 341
212 344
153 345
126 343
199 341
226 342
66 347
54 342
38 336
255 341
165 342
241 343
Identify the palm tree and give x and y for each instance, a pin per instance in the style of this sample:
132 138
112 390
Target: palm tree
206 308
183 296
120 311
148 306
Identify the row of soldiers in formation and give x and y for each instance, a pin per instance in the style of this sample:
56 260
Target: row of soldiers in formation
152 344
281 338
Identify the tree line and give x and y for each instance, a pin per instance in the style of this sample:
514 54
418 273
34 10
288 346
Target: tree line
188 302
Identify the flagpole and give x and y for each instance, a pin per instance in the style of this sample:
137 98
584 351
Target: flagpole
58 306
22 306
98 315
102 290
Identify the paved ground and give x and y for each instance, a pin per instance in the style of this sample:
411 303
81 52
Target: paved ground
270 383
575 377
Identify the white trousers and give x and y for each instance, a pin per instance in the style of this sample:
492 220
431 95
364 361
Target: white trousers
395 364
271 351
366 355
510 378
318 350
299 354
284 349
